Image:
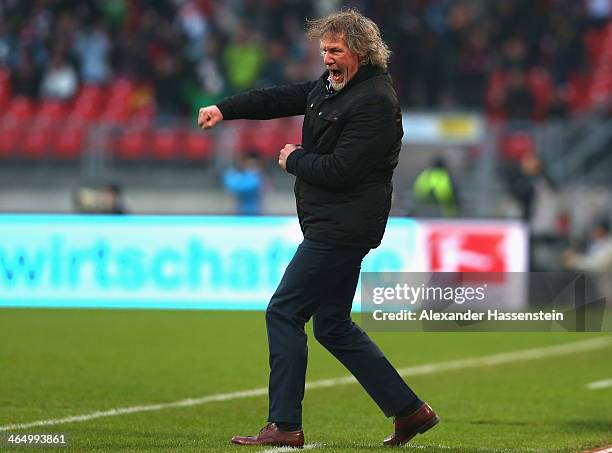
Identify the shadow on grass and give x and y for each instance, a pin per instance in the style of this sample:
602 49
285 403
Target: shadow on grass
593 426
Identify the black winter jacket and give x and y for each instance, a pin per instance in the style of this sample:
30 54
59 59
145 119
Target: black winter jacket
350 145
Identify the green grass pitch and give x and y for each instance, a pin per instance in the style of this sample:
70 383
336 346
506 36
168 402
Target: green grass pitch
58 363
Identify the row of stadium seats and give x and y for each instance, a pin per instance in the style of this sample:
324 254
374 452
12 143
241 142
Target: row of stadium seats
539 84
41 141
164 144
66 140
116 103
46 141
264 138
600 50
62 130
124 101
584 89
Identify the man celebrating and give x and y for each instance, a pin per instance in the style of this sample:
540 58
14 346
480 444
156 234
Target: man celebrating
351 139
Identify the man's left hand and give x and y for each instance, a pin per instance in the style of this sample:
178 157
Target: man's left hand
284 154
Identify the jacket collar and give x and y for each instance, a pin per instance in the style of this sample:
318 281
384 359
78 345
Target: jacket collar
363 73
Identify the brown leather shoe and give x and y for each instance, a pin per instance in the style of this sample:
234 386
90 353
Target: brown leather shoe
407 427
271 435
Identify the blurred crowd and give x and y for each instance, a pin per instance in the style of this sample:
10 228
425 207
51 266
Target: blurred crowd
517 58
184 53
505 55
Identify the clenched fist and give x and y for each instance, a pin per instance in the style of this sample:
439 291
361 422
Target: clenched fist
209 116
284 153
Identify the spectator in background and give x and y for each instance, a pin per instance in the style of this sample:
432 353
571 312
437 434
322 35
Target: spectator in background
92 49
60 79
25 79
106 199
435 191
244 59
274 69
114 13
473 66
209 83
514 54
519 101
7 45
536 194
444 49
194 24
566 40
558 109
525 180
246 183
167 79
598 12
597 257
172 73
114 195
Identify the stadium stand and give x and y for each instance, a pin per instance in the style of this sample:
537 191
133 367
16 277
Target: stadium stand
98 91
139 60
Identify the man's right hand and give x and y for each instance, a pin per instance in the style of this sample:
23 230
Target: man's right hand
209 116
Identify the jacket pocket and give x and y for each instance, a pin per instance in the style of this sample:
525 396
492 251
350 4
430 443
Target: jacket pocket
326 130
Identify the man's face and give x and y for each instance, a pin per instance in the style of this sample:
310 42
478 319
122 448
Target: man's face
341 63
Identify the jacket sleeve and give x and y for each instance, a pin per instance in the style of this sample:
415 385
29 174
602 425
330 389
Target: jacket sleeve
267 103
368 134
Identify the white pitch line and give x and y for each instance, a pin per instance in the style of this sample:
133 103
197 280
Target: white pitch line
482 449
414 446
602 450
474 362
600 385
290 449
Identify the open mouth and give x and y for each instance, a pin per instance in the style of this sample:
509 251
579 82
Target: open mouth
336 74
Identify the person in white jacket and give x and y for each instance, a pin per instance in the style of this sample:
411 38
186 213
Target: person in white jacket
597 258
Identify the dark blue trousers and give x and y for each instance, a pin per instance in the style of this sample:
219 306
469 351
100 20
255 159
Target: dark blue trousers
320 282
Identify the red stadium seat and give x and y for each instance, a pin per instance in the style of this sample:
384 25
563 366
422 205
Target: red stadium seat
89 92
166 144
5 76
115 114
594 41
114 102
266 139
143 116
578 92
52 111
132 144
20 109
86 111
541 87
11 136
70 142
5 99
90 103
292 130
494 95
198 146
38 140
121 89
5 89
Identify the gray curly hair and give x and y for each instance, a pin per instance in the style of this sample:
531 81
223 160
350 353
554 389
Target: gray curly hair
361 35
